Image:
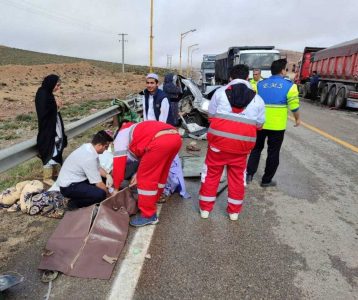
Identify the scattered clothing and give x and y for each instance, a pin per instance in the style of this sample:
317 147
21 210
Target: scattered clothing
106 160
31 188
49 204
175 182
125 113
31 198
11 196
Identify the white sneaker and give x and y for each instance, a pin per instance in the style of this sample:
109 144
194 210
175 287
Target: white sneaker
204 214
234 217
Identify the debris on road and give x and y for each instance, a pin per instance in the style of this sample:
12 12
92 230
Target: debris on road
8 280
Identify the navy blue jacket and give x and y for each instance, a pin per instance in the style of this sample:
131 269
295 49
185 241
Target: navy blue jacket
158 97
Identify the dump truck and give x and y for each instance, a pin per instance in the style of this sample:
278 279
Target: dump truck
337 70
260 57
302 71
207 70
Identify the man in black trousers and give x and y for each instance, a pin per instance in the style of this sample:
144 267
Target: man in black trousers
279 95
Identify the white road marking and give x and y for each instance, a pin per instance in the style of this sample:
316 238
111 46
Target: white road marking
128 275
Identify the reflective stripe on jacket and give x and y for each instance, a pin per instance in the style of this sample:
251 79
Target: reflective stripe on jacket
279 95
232 130
232 134
133 141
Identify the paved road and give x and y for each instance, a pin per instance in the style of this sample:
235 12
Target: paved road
296 241
340 123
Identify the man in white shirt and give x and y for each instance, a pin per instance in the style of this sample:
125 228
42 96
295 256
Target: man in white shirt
80 178
156 105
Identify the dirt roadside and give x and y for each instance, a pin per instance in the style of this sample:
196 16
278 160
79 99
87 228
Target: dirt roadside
81 83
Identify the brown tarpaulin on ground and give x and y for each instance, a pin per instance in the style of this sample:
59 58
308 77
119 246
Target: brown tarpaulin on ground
82 248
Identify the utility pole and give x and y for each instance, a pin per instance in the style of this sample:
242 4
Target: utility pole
182 35
151 38
123 40
187 65
191 61
169 61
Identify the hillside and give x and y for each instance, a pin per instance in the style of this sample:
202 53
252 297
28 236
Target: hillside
87 85
14 56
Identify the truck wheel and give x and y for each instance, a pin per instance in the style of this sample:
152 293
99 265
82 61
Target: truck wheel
341 98
304 91
331 97
324 94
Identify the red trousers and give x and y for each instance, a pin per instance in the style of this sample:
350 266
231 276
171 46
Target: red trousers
235 165
153 171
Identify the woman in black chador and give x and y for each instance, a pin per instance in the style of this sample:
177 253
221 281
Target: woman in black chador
51 138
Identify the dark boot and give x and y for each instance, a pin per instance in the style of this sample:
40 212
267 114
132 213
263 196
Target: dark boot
268 184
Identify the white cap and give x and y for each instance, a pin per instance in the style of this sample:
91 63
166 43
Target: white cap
152 75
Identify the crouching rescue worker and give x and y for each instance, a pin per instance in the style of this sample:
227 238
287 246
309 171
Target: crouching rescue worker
80 178
155 144
235 114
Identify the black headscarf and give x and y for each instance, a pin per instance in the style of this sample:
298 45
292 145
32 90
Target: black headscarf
49 83
46 109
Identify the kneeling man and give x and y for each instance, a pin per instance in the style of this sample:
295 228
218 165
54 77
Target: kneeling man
80 178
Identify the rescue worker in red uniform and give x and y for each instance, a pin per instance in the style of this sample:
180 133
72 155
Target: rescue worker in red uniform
235 114
155 144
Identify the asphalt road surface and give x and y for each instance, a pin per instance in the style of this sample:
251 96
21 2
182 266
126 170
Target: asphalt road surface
298 240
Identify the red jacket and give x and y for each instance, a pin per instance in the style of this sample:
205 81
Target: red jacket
233 134
231 130
133 141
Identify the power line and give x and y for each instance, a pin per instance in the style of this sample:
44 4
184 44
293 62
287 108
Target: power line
55 16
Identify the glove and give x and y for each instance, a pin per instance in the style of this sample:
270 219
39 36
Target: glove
109 180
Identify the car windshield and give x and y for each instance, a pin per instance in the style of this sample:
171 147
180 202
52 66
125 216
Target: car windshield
208 65
261 61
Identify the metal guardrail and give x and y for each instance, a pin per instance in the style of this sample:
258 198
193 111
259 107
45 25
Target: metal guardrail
21 152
